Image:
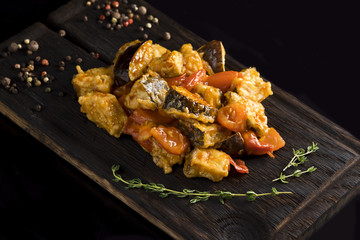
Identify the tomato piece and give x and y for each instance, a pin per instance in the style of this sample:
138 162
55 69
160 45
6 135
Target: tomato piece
176 81
222 80
171 139
273 138
239 165
157 117
140 133
194 79
254 147
233 117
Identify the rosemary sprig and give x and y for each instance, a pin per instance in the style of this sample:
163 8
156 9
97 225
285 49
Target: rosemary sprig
296 173
195 195
300 155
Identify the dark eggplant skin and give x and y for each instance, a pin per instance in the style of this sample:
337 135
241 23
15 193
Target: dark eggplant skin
214 53
203 135
182 103
122 61
233 145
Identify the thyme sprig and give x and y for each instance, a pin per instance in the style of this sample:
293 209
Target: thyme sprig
195 195
296 173
300 155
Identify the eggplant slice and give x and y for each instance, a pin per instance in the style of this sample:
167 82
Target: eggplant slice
179 102
233 145
213 52
122 61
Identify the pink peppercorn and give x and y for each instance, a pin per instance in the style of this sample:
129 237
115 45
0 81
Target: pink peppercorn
102 17
107 7
126 23
130 20
115 4
44 62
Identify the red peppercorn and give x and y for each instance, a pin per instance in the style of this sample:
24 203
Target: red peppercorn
102 17
43 73
130 20
107 7
44 62
115 4
126 23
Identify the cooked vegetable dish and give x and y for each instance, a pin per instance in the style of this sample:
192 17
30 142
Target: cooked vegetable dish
181 106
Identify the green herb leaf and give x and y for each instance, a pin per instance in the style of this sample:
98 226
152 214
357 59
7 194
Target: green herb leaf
195 195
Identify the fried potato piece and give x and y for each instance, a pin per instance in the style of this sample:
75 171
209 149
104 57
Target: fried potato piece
192 59
105 111
210 94
95 79
209 163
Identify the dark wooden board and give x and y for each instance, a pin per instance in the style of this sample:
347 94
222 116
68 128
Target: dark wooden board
62 128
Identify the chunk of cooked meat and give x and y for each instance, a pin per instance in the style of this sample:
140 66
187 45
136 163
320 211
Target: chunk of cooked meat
192 59
170 64
256 118
162 158
251 85
210 94
209 163
179 102
148 92
95 79
105 111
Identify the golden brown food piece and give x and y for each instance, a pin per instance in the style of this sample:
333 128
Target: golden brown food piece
105 111
252 86
147 93
209 163
170 64
210 94
203 135
140 61
95 79
162 158
192 59
256 118
181 103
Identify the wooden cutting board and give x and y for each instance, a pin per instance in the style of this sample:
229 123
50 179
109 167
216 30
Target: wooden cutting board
61 127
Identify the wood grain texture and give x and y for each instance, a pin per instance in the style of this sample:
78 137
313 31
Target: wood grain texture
65 130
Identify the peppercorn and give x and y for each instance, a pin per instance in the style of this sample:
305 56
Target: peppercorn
37 82
5 81
107 7
33 46
62 33
27 41
14 90
17 66
47 90
142 10
148 25
44 62
102 17
130 21
38 108
62 64
78 60
126 23
85 18
166 36
45 79
37 58
68 58
13 47
115 4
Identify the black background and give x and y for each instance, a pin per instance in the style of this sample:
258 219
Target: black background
307 48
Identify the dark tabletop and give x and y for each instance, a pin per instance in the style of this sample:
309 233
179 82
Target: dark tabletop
307 48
